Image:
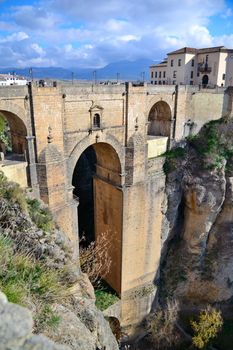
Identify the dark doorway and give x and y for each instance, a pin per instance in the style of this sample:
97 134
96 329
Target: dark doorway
205 80
83 183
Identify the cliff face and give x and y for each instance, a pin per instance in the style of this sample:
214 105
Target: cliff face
37 272
198 225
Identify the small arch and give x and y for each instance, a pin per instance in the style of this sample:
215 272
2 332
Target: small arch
159 119
16 132
205 80
96 121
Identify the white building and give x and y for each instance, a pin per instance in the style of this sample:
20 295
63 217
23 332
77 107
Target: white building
12 79
209 67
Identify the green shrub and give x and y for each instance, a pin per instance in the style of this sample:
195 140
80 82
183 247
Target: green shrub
207 327
40 215
171 157
105 296
4 134
12 192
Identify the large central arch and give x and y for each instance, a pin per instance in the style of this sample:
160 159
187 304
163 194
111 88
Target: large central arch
97 184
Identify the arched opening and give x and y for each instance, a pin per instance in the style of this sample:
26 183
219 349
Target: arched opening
12 135
13 148
96 121
205 80
160 120
84 171
96 180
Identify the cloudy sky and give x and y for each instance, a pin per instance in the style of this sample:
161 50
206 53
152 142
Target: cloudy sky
91 33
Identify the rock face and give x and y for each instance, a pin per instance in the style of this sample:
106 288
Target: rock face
16 329
81 325
198 225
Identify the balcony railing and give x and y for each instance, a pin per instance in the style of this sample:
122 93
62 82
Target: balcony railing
204 69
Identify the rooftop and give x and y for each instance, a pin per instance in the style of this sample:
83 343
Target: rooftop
198 51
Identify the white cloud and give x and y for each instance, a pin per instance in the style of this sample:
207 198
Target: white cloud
38 49
14 37
86 33
128 37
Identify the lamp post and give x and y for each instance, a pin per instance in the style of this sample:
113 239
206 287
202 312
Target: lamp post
31 74
94 76
143 76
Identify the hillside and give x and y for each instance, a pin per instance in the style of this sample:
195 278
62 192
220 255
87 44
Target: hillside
37 271
127 71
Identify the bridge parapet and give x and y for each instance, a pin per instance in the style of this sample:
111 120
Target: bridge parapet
13 91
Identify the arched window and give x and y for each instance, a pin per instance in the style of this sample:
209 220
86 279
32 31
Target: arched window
96 121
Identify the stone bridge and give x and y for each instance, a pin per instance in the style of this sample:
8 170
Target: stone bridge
91 153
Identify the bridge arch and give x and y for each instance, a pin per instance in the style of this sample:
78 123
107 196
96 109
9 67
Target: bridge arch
91 140
16 121
96 180
160 119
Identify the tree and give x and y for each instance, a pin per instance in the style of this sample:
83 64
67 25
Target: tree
207 327
95 259
161 326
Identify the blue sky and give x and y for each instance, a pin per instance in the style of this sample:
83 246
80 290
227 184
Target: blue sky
91 33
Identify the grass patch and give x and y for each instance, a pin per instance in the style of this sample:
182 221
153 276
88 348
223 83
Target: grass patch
23 278
105 296
171 157
27 282
14 194
41 216
211 145
46 318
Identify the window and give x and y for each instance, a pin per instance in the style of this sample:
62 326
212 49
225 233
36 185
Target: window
174 82
96 121
151 82
160 82
164 82
198 74
155 82
152 74
191 76
223 76
179 62
164 74
192 63
156 74
171 63
174 74
191 82
160 74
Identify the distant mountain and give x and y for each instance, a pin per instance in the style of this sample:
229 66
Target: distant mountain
124 70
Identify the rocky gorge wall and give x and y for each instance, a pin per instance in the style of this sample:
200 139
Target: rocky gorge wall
197 231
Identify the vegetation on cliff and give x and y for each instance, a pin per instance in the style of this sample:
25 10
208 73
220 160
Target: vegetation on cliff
37 271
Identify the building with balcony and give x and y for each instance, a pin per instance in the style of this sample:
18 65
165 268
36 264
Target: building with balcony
209 67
